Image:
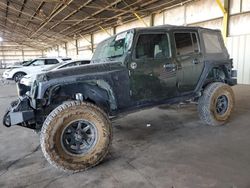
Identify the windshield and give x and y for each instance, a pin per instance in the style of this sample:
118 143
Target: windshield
27 63
113 47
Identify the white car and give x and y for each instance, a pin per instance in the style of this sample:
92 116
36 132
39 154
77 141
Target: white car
17 72
27 80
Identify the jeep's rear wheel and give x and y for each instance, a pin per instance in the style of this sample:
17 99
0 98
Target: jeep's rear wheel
216 104
76 136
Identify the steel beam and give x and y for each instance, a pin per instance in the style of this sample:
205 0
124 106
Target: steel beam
135 14
98 23
56 12
225 10
105 30
92 42
77 50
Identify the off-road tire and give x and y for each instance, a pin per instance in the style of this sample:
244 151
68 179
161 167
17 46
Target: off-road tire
208 101
52 129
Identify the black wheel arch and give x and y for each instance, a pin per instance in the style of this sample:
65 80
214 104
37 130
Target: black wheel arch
93 93
212 73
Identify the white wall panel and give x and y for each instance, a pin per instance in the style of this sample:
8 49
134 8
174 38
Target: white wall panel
239 25
202 10
85 54
214 24
177 19
102 35
84 41
245 5
238 49
159 19
62 50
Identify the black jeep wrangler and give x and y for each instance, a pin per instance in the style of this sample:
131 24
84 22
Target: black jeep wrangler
137 68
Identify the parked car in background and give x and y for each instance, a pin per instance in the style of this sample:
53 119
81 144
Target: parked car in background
36 65
17 64
27 80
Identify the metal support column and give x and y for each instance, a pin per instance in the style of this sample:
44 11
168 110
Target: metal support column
92 42
152 19
225 10
22 54
77 50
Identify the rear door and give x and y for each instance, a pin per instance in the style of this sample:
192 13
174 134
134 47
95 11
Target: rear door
189 59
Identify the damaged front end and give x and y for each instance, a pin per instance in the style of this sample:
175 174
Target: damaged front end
20 113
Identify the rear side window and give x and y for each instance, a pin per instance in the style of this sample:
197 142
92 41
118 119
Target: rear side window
38 62
84 62
212 43
51 61
186 43
66 59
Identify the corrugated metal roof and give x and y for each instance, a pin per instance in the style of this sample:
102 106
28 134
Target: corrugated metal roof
42 23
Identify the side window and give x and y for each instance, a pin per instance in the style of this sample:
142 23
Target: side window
68 65
152 46
186 43
84 62
212 43
51 61
38 62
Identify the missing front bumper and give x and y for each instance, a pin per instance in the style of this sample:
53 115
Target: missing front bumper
19 113
21 117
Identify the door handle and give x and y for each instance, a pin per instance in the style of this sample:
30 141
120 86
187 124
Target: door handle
169 67
196 61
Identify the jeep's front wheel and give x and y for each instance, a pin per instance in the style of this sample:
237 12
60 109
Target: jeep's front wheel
76 136
216 104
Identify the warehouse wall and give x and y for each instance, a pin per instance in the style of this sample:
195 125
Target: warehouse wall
204 13
11 53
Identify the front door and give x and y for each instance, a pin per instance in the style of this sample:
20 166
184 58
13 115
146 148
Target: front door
152 71
189 60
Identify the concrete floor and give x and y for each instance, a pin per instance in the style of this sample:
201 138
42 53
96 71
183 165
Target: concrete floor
176 151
